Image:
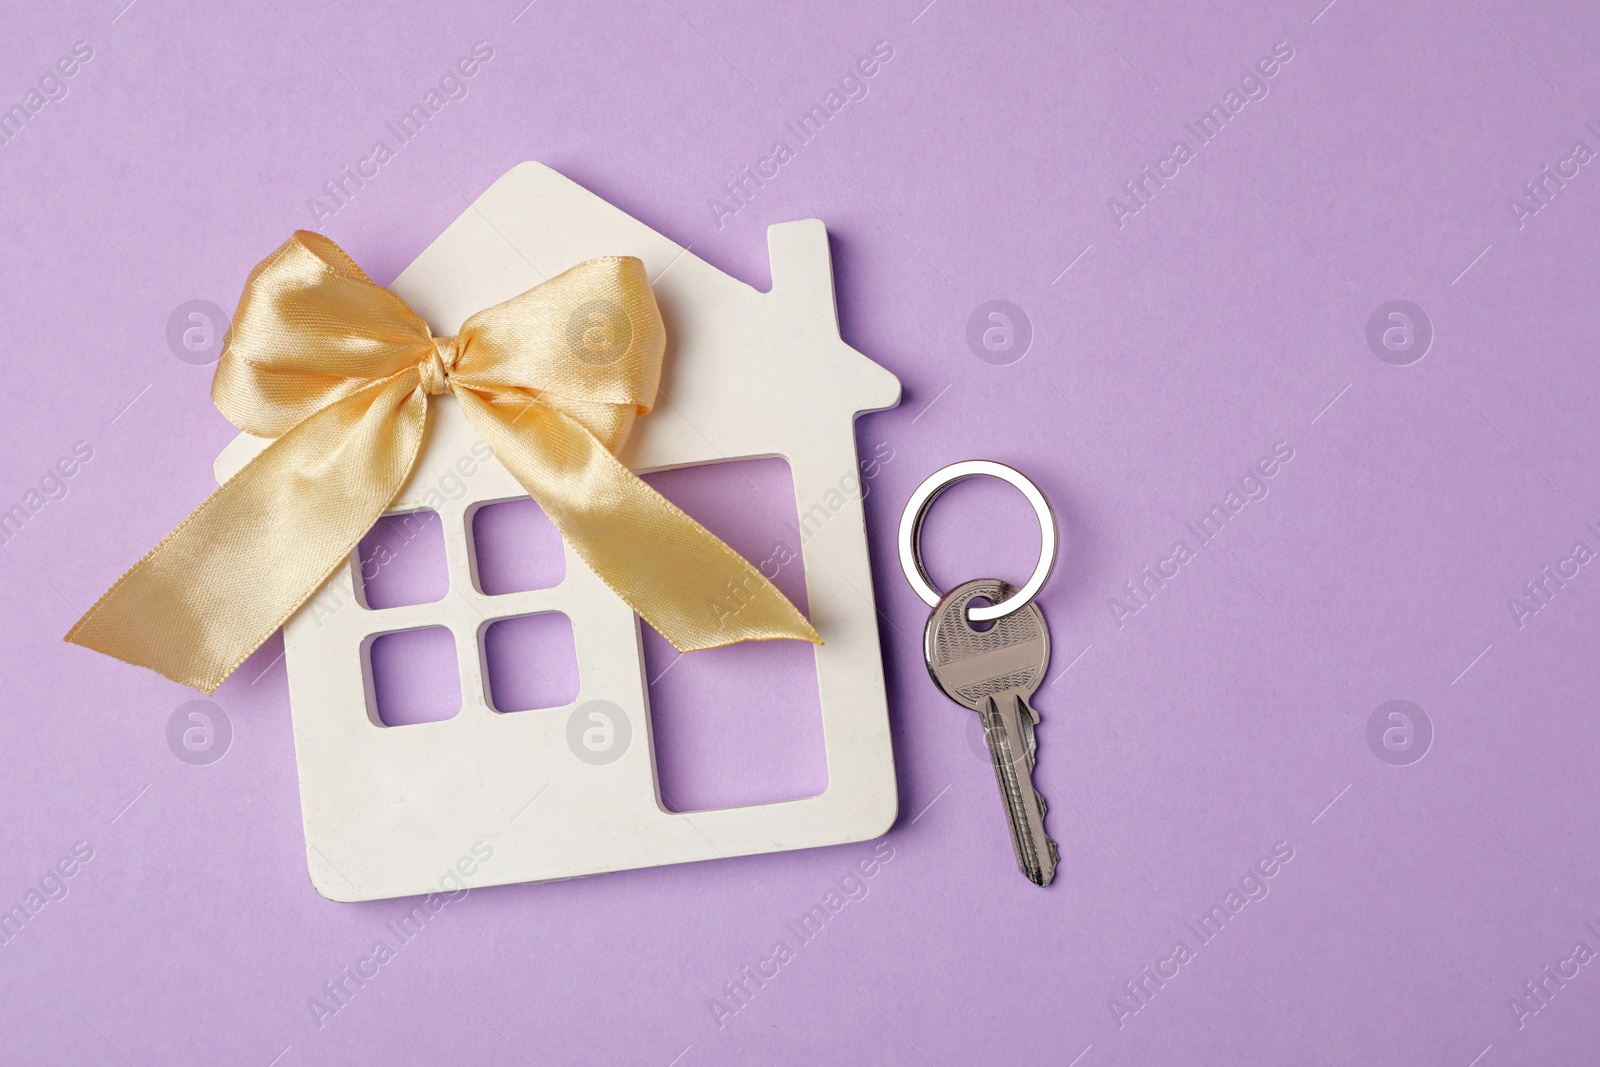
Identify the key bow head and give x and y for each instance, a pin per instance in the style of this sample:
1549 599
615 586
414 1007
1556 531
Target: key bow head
970 665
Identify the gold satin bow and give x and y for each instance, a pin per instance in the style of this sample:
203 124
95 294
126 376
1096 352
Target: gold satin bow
339 370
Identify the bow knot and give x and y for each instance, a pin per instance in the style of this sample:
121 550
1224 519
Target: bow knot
436 367
326 362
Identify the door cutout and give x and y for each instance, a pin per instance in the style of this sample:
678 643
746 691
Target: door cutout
738 725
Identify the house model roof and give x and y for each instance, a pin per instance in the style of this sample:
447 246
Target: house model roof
746 372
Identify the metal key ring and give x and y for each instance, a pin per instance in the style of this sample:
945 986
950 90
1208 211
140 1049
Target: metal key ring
917 510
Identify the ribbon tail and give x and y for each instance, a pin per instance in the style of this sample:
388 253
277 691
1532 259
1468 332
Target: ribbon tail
200 602
679 576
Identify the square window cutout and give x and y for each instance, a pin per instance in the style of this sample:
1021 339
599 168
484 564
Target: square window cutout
401 561
515 547
530 662
738 725
412 676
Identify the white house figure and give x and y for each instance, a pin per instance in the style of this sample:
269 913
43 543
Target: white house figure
389 810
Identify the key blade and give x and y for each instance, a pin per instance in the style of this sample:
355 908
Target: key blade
1004 719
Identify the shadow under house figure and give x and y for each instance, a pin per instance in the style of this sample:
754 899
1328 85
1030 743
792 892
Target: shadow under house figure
389 810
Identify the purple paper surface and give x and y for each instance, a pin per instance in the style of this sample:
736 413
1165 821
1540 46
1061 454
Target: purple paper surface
1288 308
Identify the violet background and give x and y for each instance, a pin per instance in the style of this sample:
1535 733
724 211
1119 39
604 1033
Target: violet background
1168 356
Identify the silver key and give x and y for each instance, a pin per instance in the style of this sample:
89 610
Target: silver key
993 672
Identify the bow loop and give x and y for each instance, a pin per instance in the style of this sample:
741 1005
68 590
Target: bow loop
311 328
340 372
591 333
